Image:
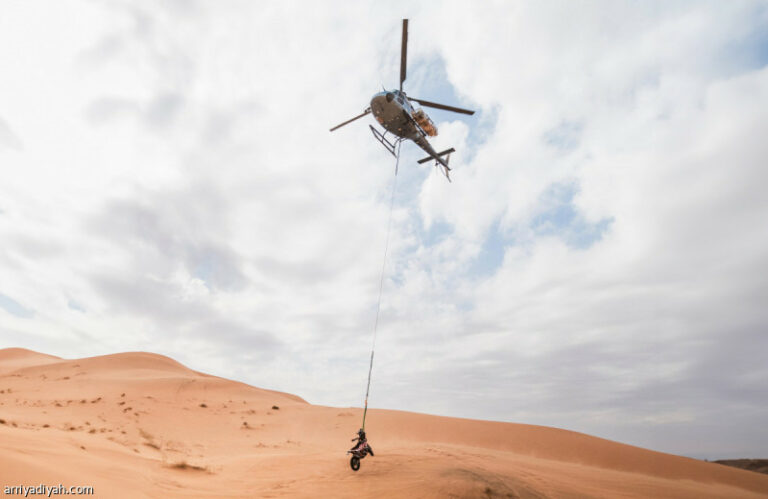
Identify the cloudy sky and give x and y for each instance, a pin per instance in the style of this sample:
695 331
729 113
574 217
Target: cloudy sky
168 183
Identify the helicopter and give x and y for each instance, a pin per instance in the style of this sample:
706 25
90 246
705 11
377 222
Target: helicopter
395 111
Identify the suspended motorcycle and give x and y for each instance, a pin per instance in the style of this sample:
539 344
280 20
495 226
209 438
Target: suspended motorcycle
358 453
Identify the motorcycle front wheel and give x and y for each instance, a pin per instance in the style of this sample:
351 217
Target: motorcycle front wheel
354 463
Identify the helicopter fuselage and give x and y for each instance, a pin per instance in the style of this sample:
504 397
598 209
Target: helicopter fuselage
393 110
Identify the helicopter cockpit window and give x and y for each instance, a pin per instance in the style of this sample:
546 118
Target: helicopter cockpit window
400 99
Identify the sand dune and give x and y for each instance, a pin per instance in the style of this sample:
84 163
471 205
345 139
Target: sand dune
143 425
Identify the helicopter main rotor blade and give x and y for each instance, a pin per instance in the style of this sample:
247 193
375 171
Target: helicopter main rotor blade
442 106
403 53
353 119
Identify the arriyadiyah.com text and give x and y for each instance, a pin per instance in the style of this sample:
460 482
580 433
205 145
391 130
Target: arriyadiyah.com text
47 491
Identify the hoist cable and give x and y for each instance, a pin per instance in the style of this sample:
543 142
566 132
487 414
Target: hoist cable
381 282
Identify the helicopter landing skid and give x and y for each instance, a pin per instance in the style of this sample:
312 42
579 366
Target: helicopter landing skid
389 146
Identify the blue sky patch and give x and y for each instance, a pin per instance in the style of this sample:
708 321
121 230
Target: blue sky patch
205 270
756 49
437 232
73 305
560 218
751 50
565 137
492 254
15 308
429 80
746 52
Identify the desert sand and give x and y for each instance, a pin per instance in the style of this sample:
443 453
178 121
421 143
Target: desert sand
143 425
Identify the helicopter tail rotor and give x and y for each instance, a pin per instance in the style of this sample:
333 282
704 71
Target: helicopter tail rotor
446 168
